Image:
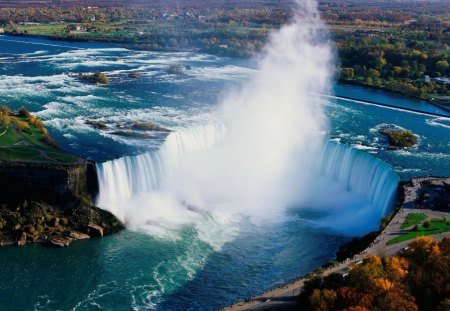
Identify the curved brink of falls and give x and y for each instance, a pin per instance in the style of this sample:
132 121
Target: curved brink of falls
353 170
269 157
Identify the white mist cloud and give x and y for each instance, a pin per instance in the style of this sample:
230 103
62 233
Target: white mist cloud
274 128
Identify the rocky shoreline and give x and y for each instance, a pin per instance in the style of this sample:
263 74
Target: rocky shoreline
51 225
51 205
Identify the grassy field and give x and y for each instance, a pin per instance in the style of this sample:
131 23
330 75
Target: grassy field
56 29
412 220
436 226
103 30
32 146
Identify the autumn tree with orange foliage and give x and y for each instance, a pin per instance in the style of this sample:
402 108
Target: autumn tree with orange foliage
418 279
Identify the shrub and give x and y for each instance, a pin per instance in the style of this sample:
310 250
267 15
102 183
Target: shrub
43 131
39 124
24 113
5 119
24 127
5 110
32 119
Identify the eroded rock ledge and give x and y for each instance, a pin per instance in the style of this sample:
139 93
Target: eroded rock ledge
59 226
50 204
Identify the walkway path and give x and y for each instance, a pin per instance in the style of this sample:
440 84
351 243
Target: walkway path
444 114
284 298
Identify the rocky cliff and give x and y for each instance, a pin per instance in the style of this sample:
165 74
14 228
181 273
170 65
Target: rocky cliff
46 182
50 204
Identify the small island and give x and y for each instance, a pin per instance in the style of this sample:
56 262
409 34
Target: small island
97 124
98 78
175 70
135 75
149 126
399 138
134 129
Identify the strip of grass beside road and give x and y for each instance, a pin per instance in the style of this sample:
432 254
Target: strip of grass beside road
436 226
412 220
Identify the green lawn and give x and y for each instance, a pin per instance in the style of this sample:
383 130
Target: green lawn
436 226
103 30
412 220
26 147
44 29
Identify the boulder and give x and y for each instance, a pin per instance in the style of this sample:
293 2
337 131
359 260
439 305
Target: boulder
78 235
23 239
59 241
29 229
95 230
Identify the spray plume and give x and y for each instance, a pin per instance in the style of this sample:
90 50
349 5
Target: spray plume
259 160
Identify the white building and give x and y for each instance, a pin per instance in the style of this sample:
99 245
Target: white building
426 78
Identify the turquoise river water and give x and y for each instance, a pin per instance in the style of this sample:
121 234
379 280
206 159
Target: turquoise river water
201 267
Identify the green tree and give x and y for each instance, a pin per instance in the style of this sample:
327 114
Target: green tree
442 66
347 73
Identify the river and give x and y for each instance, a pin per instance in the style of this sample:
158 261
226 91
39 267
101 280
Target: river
193 267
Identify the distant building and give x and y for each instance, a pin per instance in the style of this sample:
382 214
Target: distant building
426 79
29 24
76 29
2 30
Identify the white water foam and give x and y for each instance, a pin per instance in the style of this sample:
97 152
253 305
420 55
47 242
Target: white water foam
270 122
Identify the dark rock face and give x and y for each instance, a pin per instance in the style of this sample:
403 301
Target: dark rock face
49 183
51 204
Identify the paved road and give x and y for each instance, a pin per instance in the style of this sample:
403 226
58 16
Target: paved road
284 298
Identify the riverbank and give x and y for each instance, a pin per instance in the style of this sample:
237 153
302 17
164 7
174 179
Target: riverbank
285 297
368 102
133 46
430 100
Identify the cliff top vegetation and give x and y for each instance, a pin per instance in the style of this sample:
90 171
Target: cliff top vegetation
24 138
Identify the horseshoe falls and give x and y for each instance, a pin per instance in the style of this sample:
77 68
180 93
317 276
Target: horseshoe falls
370 182
258 183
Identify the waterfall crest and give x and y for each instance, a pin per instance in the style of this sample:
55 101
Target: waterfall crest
361 173
271 149
121 179
355 171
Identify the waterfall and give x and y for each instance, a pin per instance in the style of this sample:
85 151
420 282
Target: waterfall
270 156
355 171
361 173
121 179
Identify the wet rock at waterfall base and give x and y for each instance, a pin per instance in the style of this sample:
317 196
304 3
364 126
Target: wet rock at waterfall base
51 225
